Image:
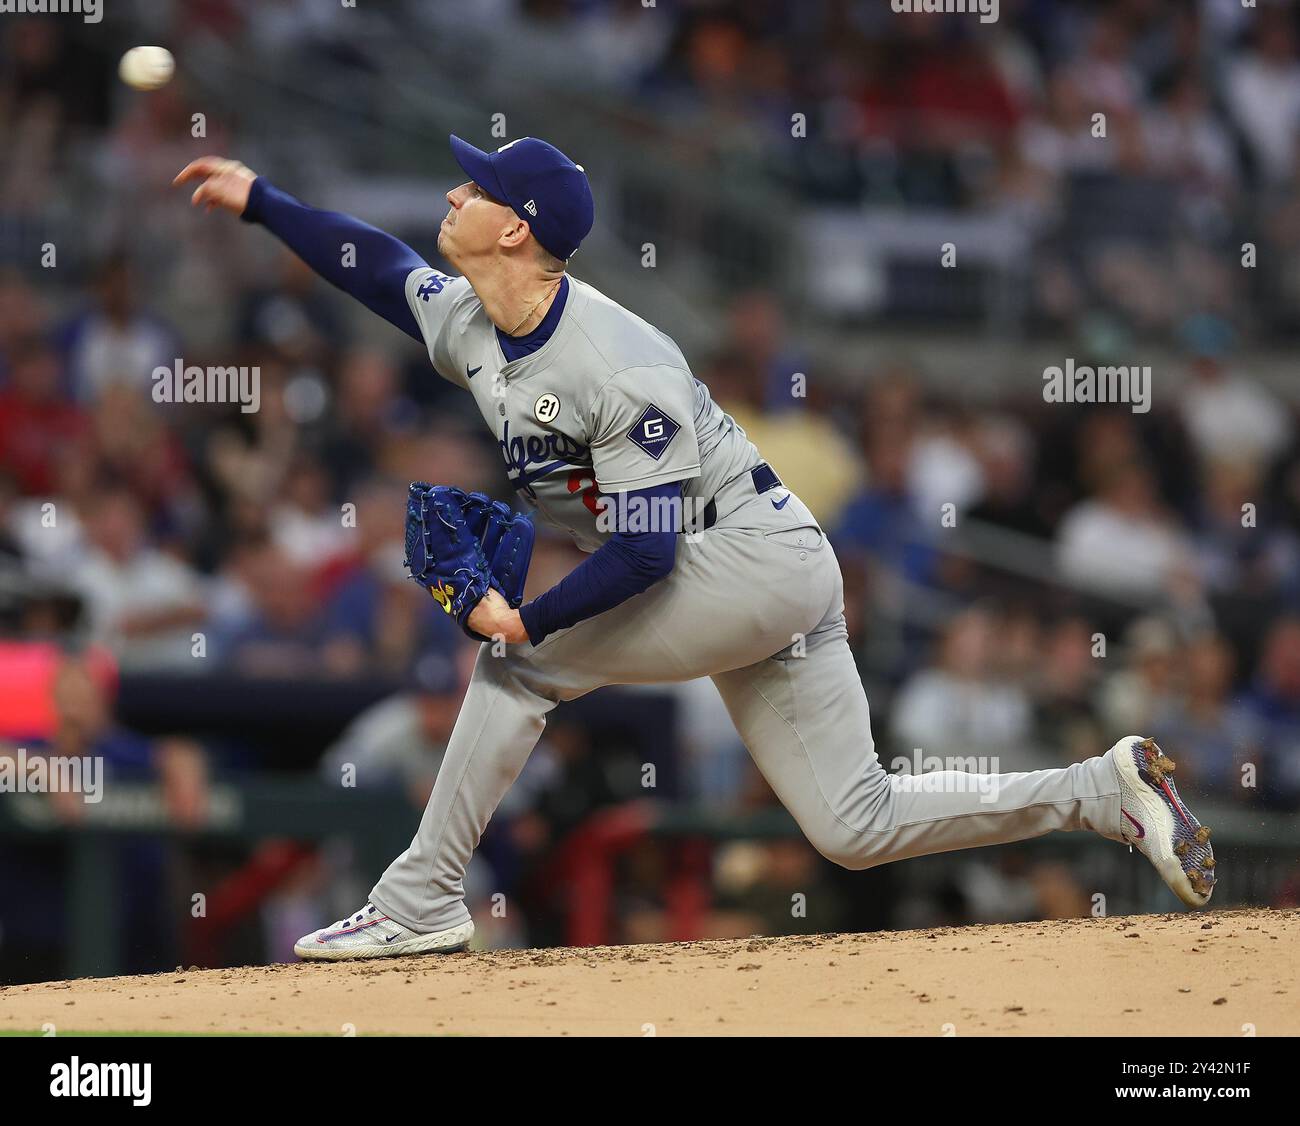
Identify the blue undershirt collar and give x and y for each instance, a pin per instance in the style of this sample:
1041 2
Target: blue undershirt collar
516 347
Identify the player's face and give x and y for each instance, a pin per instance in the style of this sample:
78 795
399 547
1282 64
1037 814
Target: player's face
474 223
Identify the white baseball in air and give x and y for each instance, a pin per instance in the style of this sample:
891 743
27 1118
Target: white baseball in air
147 68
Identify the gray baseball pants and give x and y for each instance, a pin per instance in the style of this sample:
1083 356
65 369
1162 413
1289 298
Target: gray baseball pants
756 603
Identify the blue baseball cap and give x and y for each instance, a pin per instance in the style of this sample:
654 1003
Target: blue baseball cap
544 187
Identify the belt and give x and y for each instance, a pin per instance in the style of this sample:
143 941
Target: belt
763 477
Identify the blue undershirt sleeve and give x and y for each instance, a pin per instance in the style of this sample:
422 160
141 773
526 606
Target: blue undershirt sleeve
383 263
626 564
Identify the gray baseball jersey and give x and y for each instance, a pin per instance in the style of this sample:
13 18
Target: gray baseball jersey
756 603
608 404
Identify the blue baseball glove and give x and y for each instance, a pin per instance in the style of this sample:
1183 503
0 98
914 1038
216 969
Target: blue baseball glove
459 544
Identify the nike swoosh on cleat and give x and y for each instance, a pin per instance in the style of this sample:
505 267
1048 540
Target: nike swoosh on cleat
470 372
779 504
1141 831
391 937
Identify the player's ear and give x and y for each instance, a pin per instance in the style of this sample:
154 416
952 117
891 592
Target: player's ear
515 232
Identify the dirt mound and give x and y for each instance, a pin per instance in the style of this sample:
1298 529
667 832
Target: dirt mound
1139 975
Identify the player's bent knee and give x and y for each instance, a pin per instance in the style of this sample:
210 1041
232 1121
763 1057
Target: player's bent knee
843 846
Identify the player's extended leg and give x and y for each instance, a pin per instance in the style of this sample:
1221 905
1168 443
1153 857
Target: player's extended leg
806 723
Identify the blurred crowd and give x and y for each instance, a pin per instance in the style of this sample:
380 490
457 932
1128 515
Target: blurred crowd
1024 580
1137 145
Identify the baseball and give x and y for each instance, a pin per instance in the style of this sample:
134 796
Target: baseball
146 68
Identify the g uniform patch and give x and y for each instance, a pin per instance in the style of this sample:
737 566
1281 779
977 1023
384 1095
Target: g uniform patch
653 431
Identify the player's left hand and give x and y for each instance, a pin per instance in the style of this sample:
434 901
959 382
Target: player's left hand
493 618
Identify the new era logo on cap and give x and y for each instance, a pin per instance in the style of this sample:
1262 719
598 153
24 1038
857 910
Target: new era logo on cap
538 181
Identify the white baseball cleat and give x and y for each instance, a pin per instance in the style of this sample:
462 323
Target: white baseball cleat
1157 823
372 934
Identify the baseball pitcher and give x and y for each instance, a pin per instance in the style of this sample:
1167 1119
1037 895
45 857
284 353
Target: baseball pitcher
700 562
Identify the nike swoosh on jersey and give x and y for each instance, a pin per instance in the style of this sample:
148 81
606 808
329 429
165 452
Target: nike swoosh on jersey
779 504
470 372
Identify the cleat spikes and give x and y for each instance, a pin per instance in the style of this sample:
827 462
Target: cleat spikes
1173 841
1159 766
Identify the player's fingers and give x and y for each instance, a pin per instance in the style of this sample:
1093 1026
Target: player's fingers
190 171
203 166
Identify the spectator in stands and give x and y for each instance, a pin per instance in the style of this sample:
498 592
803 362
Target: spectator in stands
399 742
1243 548
882 523
801 443
38 427
248 455
50 84
1273 705
1227 415
114 340
230 604
956 707
954 97
1214 734
1058 140
53 539
1145 685
756 335
1010 500
1104 71
1122 541
943 466
1187 143
135 446
143 603
1261 89
368 408
1064 684
293 320
305 525
285 635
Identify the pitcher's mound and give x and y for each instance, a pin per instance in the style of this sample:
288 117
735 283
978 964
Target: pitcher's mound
1214 973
